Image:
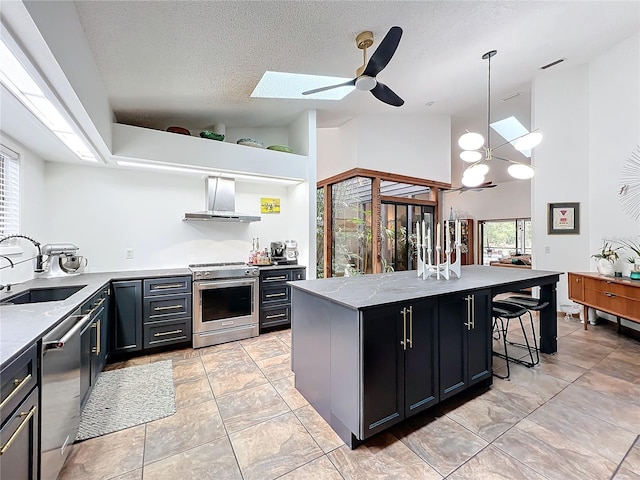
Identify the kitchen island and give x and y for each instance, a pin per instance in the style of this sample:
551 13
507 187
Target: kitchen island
372 350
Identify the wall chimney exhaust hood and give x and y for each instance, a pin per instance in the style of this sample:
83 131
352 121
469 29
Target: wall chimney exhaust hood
220 203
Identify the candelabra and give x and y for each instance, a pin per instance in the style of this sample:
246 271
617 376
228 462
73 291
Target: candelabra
438 269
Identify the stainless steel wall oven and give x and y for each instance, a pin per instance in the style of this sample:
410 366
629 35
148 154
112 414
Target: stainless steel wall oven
225 303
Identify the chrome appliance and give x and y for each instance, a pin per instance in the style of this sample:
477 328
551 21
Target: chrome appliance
62 260
225 302
60 415
291 251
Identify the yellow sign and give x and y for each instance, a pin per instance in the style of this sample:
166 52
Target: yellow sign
269 205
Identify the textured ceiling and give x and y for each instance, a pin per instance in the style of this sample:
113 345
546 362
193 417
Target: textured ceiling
195 63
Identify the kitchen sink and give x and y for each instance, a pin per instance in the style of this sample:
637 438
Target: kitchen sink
39 295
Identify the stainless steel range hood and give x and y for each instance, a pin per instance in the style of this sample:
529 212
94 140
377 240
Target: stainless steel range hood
220 203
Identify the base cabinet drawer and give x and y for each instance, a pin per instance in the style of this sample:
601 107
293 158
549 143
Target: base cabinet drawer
166 333
19 444
17 379
275 294
166 286
166 307
275 316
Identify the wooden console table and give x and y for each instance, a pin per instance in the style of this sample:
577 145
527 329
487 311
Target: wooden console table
617 296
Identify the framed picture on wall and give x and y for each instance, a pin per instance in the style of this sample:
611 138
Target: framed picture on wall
563 218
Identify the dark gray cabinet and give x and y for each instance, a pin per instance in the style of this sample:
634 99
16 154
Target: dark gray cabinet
126 319
275 296
93 341
19 441
465 341
167 311
399 363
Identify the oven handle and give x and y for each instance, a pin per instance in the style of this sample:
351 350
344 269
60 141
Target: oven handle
212 284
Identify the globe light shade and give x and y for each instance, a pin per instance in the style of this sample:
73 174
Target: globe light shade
527 142
470 156
520 171
477 170
471 141
472 180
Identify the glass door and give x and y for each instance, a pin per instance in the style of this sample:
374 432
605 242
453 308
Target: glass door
399 234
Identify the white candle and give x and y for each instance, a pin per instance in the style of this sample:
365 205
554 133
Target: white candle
429 237
448 235
418 233
438 234
458 231
423 230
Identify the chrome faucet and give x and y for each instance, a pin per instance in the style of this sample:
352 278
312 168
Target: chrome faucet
39 266
8 285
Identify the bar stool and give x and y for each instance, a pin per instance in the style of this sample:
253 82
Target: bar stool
532 304
502 312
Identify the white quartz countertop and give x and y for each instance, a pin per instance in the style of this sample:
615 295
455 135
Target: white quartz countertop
364 291
23 325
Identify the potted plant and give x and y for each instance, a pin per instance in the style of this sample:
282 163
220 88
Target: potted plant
634 259
606 258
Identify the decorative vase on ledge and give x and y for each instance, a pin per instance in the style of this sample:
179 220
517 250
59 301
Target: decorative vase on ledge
605 267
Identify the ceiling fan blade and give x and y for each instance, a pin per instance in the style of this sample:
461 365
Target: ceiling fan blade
386 95
322 89
384 52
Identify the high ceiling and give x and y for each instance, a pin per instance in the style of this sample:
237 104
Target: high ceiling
195 63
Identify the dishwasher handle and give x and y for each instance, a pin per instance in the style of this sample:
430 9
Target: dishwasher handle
59 344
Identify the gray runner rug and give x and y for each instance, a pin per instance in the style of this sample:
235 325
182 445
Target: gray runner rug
127 397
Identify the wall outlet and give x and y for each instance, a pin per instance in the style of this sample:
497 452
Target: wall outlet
547 249
128 253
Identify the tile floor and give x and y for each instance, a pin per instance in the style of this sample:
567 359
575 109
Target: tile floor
574 416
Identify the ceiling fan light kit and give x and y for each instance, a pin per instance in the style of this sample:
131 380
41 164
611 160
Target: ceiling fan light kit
471 142
366 75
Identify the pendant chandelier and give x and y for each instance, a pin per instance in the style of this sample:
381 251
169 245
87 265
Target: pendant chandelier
472 143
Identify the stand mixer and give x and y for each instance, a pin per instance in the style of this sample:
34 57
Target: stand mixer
62 260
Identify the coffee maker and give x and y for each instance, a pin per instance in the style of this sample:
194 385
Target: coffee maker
277 253
291 252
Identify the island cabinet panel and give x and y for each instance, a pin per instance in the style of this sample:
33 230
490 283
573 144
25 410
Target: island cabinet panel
464 339
399 360
576 287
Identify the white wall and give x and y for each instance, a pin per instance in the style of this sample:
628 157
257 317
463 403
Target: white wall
591 118
413 145
105 211
33 212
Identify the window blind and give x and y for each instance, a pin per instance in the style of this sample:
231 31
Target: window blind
9 192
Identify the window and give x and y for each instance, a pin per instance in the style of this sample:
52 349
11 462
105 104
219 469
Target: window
9 192
503 238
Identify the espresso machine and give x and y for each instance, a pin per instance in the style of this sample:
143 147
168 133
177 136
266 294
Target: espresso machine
278 253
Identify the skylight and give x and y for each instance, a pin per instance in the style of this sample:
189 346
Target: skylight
291 85
510 129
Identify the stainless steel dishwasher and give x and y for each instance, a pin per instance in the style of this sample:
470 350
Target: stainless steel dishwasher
60 404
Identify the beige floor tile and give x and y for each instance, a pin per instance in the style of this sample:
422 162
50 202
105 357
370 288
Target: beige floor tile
608 440
610 385
189 369
236 377
287 390
132 475
320 469
212 461
553 455
381 457
254 405
580 353
320 430
488 415
186 429
193 391
550 365
132 362
493 464
261 350
285 336
273 448
178 355
276 367
105 457
219 358
441 442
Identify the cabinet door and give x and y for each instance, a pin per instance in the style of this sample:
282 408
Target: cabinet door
479 335
19 443
420 357
126 326
453 343
382 358
298 274
97 345
576 287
